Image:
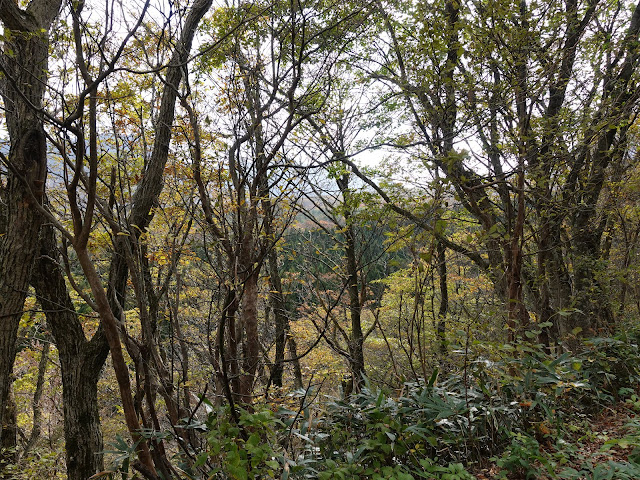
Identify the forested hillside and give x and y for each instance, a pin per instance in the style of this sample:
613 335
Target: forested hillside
388 239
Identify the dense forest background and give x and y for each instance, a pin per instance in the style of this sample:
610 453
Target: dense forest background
389 239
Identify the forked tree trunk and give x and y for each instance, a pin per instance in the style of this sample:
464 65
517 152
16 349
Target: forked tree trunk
81 362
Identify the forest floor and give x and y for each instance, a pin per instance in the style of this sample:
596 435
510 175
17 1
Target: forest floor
600 440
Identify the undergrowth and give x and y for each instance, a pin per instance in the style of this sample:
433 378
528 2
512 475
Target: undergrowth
519 412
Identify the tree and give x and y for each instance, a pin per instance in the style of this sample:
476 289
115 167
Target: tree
335 134
274 80
24 66
544 141
81 359
109 303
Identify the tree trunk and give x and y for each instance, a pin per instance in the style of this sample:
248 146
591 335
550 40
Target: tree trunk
444 297
293 352
283 330
280 317
9 438
250 341
356 343
81 362
591 298
25 57
518 318
110 326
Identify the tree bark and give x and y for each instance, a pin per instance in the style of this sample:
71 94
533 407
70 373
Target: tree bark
280 316
356 343
9 438
81 362
295 359
24 67
250 340
443 310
